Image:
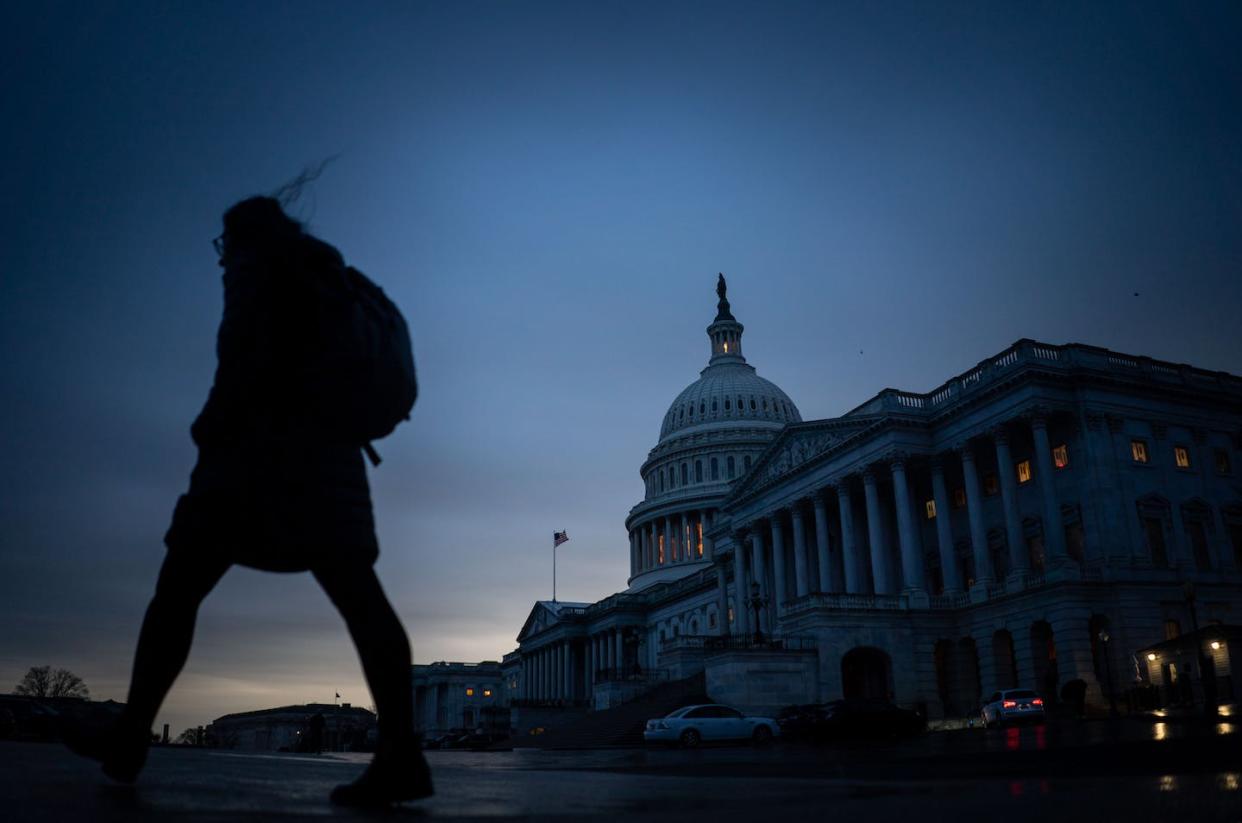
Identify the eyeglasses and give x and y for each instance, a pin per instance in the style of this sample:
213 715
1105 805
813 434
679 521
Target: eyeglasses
218 244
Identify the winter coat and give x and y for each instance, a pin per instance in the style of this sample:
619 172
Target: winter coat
272 489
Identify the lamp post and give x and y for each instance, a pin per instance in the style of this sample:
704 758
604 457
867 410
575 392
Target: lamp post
1205 663
757 602
1108 673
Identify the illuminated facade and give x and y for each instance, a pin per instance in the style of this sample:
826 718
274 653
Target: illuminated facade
930 548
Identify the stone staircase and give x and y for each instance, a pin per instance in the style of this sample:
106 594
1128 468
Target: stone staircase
623 725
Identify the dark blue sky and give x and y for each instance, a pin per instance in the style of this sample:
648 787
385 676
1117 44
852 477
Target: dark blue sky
549 191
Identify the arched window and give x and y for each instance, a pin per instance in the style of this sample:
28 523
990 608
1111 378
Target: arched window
698 471
715 469
765 404
752 402
685 474
661 479
729 467
713 405
682 414
746 464
726 404
702 408
741 404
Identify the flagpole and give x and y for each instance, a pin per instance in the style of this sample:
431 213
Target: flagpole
554 570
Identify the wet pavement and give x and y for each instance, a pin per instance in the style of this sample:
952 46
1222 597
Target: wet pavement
1077 771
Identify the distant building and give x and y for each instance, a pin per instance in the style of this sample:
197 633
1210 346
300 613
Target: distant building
310 727
459 698
1030 521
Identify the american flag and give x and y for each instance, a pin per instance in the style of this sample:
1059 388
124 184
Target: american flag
558 538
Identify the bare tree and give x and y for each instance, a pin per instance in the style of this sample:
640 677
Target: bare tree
44 681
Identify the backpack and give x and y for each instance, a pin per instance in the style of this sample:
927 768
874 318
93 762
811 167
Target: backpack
366 382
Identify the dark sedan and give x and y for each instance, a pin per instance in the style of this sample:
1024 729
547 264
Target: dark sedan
849 719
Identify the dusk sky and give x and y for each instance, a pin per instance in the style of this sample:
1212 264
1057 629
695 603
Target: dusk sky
895 191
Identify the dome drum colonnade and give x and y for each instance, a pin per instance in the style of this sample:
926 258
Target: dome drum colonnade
845 565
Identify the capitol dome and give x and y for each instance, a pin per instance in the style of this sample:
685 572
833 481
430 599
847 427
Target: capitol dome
710 437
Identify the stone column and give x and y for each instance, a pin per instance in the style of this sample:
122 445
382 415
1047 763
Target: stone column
949 571
722 601
570 670
588 674
683 538
907 534
741 587
875 532
855 576
633 556
978 534
802 575
1054 530
708 520
620 649
761 571
1019 560
826 567
655 545
778 560
668 539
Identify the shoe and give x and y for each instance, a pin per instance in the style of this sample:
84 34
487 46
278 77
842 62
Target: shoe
386 781
122 755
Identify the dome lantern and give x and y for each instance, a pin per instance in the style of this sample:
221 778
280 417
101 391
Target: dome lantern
725 332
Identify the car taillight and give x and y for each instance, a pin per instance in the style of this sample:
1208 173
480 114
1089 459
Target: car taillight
1039 701
1009 704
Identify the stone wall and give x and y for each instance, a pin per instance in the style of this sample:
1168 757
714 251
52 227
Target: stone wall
762 681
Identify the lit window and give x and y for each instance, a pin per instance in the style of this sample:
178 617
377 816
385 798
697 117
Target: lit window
726 347
1060 456
1138 450
931 509
661 558
700 537
990 484
1222 461
1024 471
959 498
1182 457
730 614
470 691
487 692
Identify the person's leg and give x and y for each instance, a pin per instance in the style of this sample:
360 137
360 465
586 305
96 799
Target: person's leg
382 646
163 646
167 631
399 771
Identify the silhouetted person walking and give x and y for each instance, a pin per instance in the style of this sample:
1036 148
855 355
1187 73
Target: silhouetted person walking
280 483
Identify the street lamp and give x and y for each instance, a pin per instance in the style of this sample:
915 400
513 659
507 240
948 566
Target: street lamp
757 602
1205 662
1108 673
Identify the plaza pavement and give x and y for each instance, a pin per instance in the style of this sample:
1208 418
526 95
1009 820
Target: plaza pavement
1082 772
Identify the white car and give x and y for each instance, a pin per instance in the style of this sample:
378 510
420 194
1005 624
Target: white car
1012 706
692 725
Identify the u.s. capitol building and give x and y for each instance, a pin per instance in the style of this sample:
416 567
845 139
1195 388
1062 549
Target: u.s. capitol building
1031 521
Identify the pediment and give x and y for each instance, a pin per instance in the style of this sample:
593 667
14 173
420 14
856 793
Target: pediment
539 619
796 446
